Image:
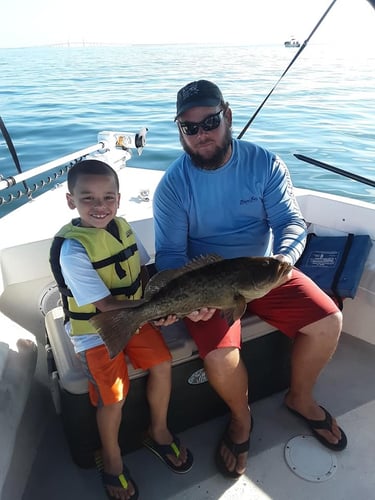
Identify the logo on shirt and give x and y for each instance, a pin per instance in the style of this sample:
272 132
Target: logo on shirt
249 200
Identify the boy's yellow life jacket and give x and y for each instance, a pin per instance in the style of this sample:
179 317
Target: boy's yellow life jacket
114 255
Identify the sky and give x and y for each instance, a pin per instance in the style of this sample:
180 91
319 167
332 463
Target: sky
46 22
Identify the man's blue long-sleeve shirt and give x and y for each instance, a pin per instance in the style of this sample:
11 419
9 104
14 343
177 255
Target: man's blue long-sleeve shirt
244 208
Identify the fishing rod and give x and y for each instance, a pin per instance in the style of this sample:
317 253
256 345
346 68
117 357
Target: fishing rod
336 170
285 71
12 149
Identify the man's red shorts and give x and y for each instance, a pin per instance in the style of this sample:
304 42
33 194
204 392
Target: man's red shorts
288 308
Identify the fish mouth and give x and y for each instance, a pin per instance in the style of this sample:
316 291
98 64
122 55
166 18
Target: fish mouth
284 269
287 266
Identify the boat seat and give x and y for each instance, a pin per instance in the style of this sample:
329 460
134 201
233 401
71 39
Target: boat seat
68 367
192 401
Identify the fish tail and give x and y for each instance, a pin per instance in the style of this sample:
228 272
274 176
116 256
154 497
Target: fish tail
116 328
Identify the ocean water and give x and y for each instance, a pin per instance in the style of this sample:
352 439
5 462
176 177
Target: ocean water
54 101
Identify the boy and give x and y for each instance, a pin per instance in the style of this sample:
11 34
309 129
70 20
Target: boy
102 263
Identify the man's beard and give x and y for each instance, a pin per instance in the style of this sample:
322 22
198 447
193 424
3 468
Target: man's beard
216 160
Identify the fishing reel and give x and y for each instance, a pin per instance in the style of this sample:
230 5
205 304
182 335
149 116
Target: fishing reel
124 140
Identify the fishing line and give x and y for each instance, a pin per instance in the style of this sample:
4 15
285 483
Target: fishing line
285 71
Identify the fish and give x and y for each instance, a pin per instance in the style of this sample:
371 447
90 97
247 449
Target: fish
208 281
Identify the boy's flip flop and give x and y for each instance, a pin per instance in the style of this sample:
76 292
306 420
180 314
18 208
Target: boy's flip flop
326 423
163 450
120 481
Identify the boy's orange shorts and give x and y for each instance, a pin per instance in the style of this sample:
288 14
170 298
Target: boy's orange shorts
289 307
108 378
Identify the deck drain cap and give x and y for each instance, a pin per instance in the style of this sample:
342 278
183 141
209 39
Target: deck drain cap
309 459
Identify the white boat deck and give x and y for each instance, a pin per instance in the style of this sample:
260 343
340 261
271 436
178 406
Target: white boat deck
42 468
346 388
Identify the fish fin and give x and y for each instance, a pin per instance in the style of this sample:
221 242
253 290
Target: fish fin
240 307
162 278
115 328
201 261
236 312
227 314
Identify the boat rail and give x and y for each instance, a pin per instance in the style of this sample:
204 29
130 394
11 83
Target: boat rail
108 141
10 181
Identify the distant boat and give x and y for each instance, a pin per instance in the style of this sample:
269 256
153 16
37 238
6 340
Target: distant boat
292 42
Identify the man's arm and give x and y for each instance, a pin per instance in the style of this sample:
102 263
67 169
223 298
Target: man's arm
284 215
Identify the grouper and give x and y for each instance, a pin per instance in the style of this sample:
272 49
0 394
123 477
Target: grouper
210 281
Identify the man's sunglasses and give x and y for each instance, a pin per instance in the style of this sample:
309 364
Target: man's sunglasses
209 123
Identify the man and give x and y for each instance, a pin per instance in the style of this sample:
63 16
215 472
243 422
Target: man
234 198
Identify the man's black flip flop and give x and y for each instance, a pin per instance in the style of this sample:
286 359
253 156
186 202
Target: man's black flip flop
326 423
234 448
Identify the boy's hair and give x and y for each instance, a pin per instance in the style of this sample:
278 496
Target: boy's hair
90 167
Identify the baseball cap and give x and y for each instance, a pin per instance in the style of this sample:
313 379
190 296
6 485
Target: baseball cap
198 93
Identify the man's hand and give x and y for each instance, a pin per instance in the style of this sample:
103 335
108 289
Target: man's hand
203 314
169 320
